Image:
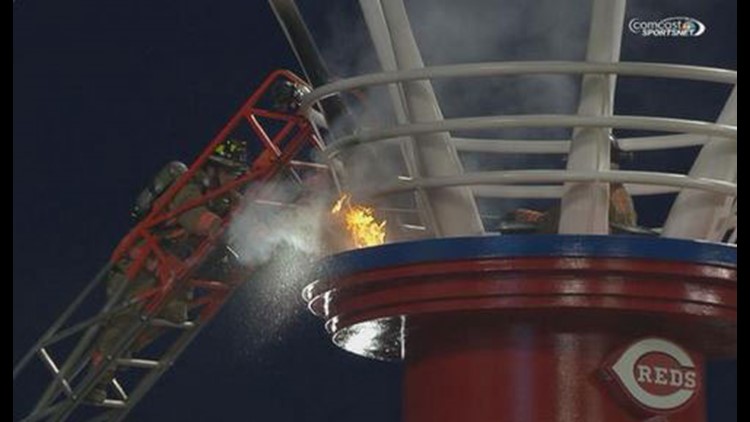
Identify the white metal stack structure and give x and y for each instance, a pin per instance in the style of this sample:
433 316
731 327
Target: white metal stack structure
705 208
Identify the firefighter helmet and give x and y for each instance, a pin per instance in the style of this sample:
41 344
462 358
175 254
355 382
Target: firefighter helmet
158 185
286 96
231 153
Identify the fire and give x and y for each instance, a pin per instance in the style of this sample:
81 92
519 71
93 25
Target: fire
363 227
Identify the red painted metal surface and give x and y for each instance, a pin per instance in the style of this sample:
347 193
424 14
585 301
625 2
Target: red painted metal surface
277 152
525 339
487 368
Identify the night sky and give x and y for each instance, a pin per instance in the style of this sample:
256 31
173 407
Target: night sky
105 93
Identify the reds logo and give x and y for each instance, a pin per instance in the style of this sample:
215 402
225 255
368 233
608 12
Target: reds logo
658 375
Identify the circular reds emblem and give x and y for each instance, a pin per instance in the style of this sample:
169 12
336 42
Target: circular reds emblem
655 374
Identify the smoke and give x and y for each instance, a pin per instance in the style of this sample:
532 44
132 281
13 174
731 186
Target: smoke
509 30
260 230
280 244
452 32
503 31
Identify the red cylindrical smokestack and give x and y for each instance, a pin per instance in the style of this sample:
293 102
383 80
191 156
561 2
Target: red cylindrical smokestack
538 328
496 368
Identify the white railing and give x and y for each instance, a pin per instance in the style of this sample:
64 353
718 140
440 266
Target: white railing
678 133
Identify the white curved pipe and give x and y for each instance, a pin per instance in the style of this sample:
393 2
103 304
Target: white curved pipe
556 191
562 146
489 69
560 176
660 124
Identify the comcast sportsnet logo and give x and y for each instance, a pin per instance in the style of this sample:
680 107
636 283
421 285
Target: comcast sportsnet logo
655 375
670 27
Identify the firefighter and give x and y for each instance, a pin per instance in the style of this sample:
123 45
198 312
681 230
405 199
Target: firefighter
286 96
227 162
622 214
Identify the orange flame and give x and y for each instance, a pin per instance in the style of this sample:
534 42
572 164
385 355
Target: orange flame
363 227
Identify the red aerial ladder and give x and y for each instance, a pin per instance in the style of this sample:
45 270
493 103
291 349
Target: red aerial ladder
282 142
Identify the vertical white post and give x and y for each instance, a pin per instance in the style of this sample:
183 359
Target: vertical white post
454 208
697 214
585 206
372 11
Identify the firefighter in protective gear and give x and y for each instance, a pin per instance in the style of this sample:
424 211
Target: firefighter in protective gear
286 96
622 214
160 183
191 227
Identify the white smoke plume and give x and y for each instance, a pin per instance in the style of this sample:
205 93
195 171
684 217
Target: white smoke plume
260 230
452 32
280 246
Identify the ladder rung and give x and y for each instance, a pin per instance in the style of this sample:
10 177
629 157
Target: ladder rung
112 404
52 366
120 391
308 164
139 363
169 324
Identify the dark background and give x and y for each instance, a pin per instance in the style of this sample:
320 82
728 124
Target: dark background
106 92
